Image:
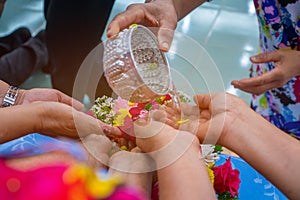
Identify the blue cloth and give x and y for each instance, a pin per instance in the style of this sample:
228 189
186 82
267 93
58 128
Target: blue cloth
253 184
33 144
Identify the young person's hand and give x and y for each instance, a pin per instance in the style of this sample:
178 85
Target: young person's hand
214 116
287 66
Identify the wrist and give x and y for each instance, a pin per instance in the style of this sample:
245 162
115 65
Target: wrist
182 145
239 129
40 116
3 89
10 96
20 97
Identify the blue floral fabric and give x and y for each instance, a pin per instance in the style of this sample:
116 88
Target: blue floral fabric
279 27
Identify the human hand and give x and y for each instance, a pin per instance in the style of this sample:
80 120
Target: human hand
46 94
154 135
58 119
215 116
287 65
98 148
160 14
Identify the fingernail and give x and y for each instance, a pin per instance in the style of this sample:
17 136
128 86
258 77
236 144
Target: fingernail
165 46
106 130
142 122
254 58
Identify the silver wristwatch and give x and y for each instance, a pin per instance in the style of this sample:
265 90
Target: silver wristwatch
10 97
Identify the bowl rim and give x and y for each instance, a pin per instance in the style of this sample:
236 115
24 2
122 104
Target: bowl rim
133 28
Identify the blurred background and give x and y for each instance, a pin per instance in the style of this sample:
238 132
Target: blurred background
211 47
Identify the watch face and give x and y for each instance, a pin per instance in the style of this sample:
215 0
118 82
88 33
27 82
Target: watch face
6 104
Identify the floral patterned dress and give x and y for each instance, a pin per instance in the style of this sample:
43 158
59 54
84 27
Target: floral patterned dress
279 26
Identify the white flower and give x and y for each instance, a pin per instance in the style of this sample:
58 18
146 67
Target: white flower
208 153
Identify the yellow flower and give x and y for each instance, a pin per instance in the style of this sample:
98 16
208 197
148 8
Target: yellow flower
96 187
183 121
119 120
103 188
211 175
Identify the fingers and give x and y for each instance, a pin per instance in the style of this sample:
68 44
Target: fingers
165 36
203 101
188 109
63 98
257 90
266 57
134 14
260 84
258 80
109 130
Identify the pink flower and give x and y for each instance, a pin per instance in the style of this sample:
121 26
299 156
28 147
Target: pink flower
120 103
136 111
226 179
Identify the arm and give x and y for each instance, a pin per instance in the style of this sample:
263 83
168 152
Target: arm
184 7
48 118
40 94
181 172
269 150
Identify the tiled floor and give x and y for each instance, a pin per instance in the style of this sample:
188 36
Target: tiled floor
211 47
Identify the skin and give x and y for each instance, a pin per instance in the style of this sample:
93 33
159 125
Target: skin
49 112
40 94
142 180
165 14
155 136
159 13
265 147
48 118
286 67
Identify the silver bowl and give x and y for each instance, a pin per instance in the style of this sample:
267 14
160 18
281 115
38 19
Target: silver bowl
134 67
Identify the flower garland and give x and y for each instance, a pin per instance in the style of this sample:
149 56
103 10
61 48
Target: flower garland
122 113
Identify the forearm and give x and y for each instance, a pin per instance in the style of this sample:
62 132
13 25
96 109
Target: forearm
181 171
184 7
17 121
186 178
269 150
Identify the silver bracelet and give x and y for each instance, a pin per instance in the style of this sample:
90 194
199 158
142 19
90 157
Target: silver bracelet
10 97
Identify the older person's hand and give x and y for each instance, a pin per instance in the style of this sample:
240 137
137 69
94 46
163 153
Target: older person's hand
46 94
159 13
58 119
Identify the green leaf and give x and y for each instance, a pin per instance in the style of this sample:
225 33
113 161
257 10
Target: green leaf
148 106
218 149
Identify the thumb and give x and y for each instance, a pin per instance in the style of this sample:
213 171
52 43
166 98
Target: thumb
272 56
165 37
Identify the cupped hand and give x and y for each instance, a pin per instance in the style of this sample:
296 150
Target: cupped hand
58 119
287 65
213 116
160 14
47 94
